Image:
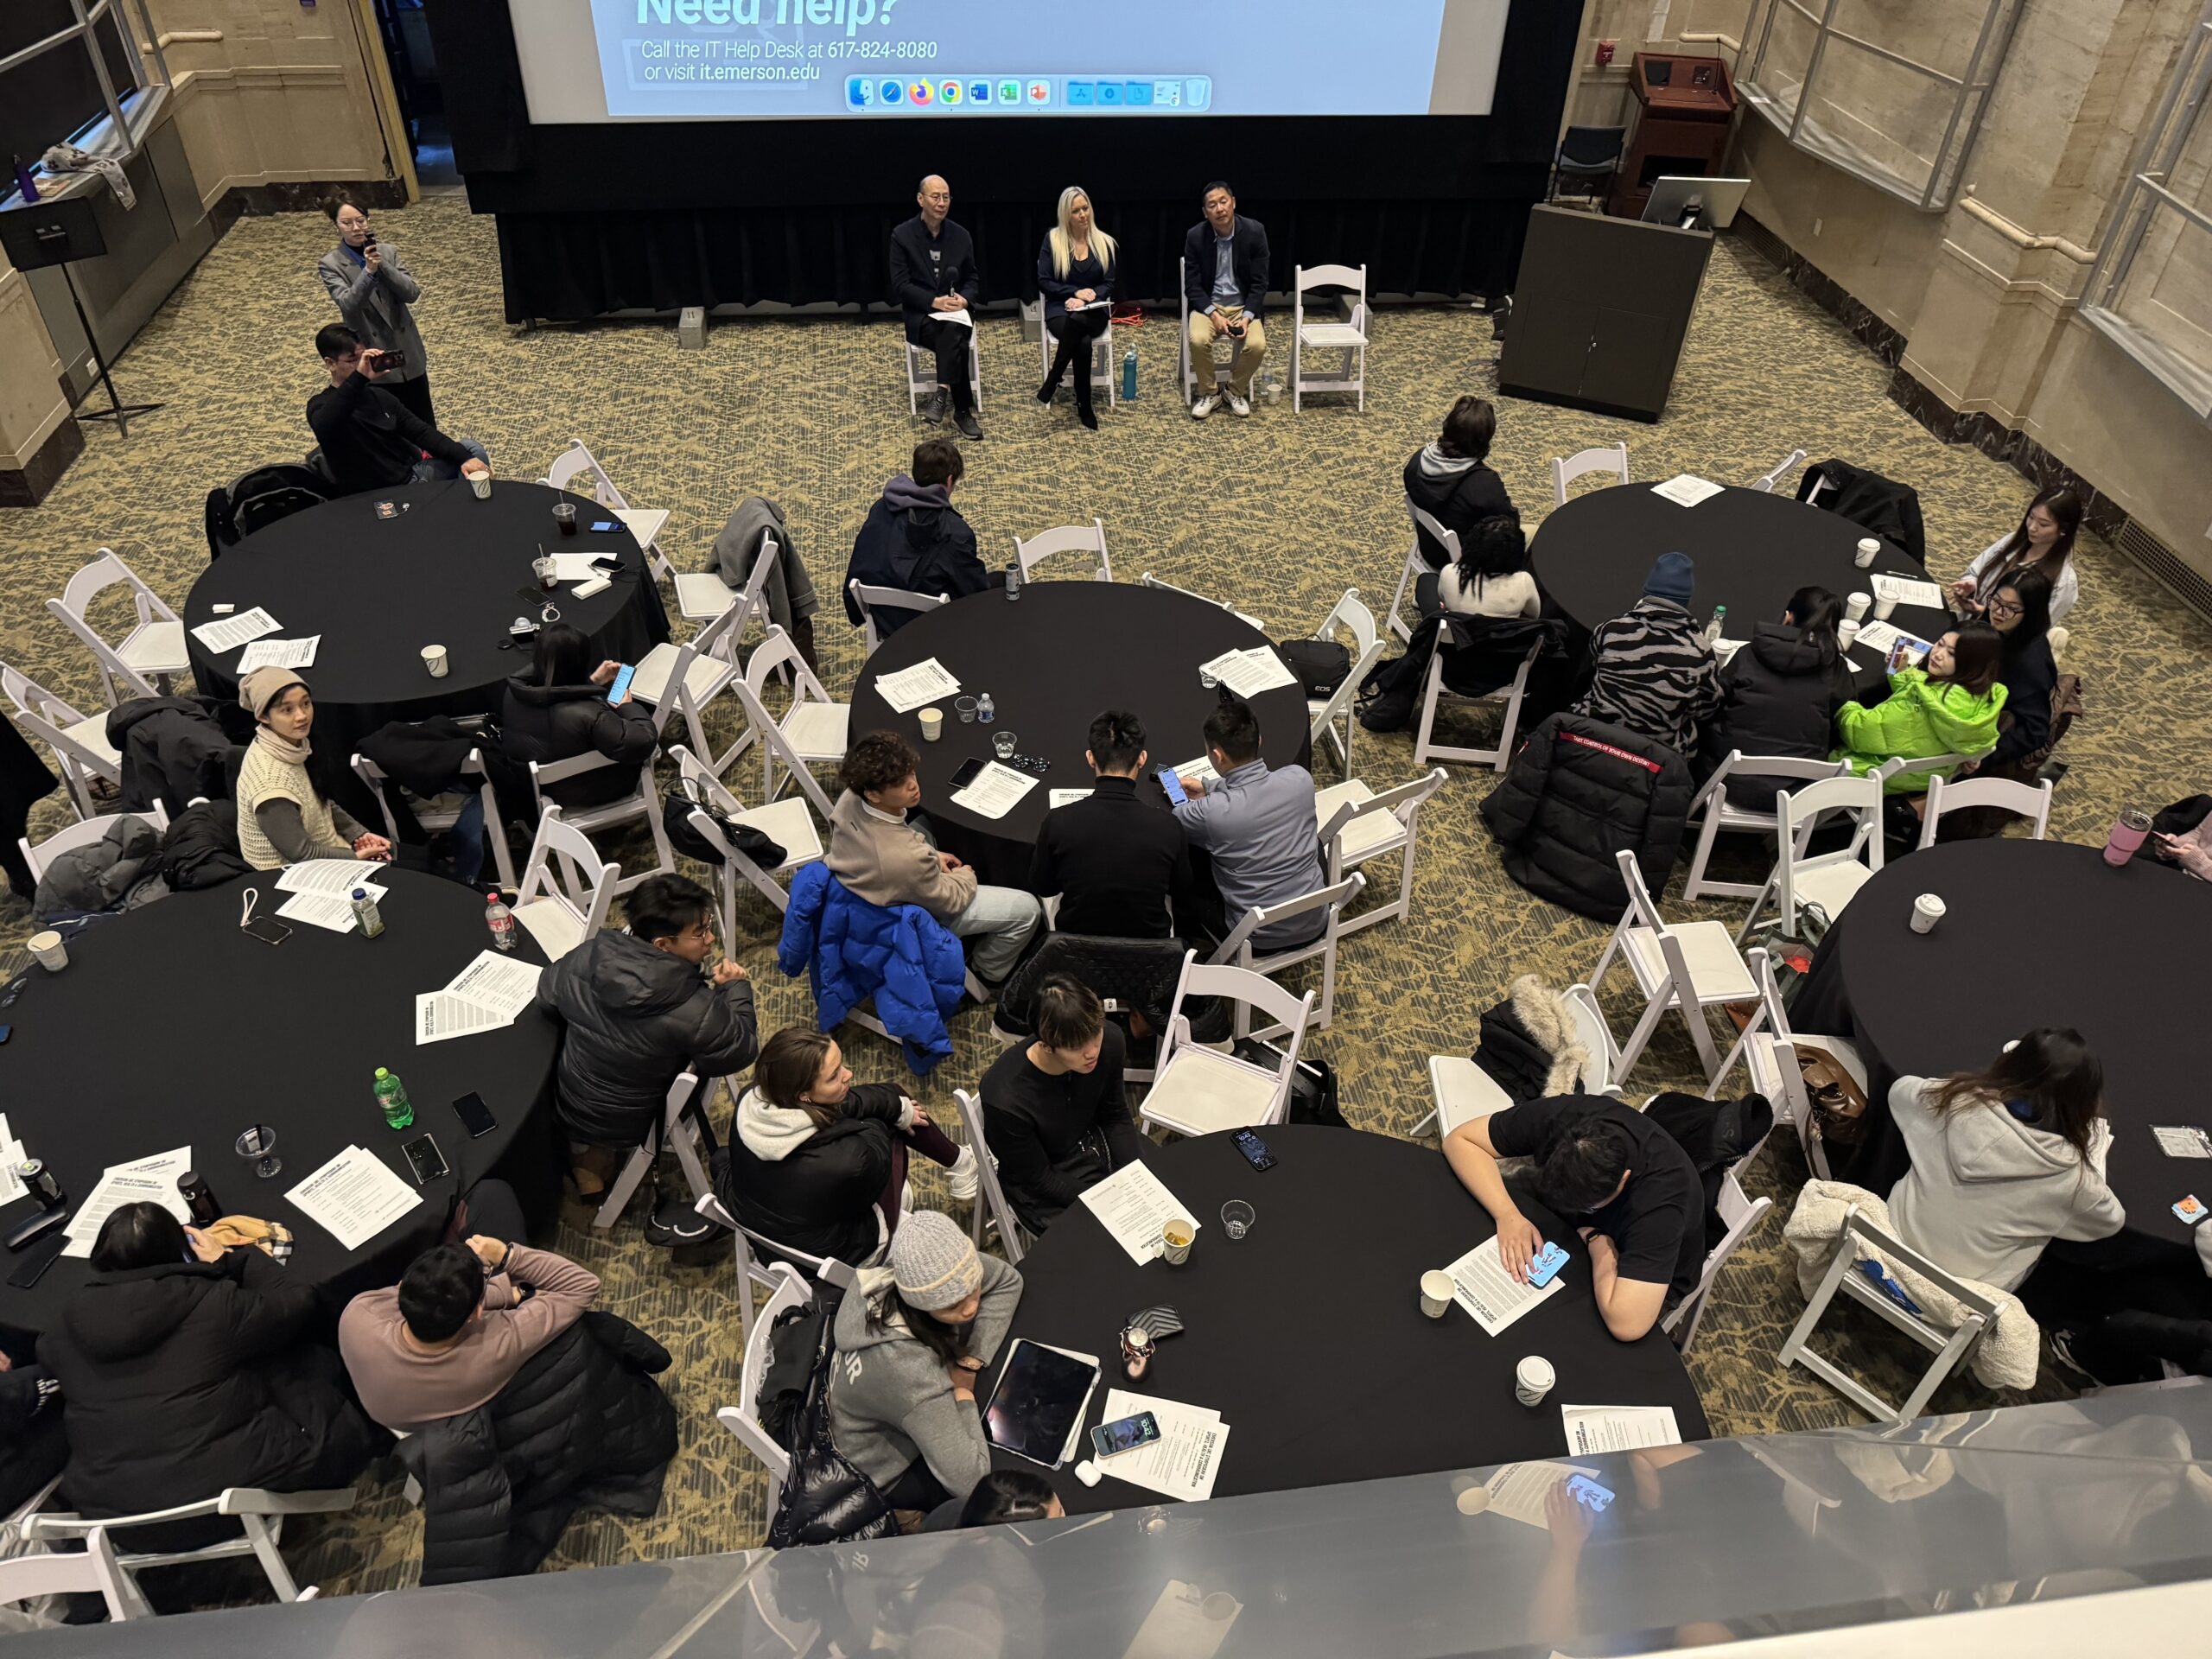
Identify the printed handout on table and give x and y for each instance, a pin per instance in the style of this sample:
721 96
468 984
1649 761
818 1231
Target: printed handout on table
1878 637
337 875
1486 1290
233 632
1248 673
354 1196
1686 488
1909 590
11 1154
927 681
1068 797
1519 1490
145 1180
1184 1461
501 984
2175 1140
440 1016
330 909
1591 1429
279 653
995 793
1133 1205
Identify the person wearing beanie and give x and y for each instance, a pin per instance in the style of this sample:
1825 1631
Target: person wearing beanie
913 1337
282 816
1651 670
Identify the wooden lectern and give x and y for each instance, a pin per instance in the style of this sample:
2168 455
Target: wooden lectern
1684 109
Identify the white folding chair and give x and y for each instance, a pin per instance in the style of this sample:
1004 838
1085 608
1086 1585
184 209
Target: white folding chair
1715 813
260 1517
752 1270
1612 459
2030 801
1186 373
695 689
703 596
30 1578
1357 825
813 731
577 469
83 834
640 803
1690 966
1415 566
1931 767
1066 538
743 1419
1462 1090
1765 483
1238 951
702 666
1433 690
991 1203
145 660
1862 1240
676 1129
1324 715
1102 377
895 599
921 371
788 823
1250 621
1743 1216
566 889
439 815
1197 1090
78 741
1349 336
1828 880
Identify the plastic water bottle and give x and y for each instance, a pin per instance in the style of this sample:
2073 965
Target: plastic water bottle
501 920
392 1100
1713 629
366 914
1129 374
986 710
1014 580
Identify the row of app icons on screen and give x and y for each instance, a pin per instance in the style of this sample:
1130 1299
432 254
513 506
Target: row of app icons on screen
1031 92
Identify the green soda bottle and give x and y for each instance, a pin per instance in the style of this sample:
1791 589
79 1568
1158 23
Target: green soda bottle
391 1099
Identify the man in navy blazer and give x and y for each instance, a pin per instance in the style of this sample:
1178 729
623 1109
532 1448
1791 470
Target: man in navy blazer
1225 279
934 278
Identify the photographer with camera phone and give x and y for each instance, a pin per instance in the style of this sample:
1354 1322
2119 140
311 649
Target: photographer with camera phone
370 439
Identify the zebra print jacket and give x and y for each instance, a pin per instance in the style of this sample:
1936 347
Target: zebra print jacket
1654 674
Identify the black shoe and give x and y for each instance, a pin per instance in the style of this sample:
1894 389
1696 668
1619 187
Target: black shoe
969 426
933 410
1045 393
1087 415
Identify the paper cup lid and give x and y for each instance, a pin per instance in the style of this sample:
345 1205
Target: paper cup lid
1928 901
1534 1369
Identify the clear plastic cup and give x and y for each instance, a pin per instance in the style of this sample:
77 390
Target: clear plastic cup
1003 745
1236 1218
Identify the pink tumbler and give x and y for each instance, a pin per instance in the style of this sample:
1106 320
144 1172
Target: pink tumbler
2129 831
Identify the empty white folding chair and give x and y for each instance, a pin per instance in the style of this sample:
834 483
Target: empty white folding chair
145 660
1713 812
676 1130
752 1270
2030 801
702 666
991 1204
1499 755
1186 371
895 599
260 1515
83 834
1829 880
1324 715
445 812
577 469
1347 335
1742 1216
1357 825
1197 1090
1687 966
567 888
1861 1240
78 741
95 1571
1238 951
1250 621
921 370
1416 566
743 1419
1090 541
1101 367
1766 481
1929 766
812 731
789 824
1611 458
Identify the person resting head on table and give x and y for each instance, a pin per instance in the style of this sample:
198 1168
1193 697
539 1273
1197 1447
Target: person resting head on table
282 816
1615 1176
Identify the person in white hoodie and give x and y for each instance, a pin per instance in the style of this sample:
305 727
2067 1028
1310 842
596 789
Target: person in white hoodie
2005 1161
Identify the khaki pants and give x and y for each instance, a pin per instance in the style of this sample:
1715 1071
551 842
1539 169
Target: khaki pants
1243 365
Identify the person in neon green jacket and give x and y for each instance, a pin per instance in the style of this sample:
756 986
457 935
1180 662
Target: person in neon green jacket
1949 707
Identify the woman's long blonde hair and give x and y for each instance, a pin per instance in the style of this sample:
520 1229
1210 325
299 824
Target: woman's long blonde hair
1102 245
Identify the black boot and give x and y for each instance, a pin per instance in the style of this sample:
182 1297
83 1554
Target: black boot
1059 367
1084 411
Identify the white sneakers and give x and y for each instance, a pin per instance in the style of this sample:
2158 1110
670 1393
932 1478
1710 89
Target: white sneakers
1213 400
960 1178
1236 405
1205 406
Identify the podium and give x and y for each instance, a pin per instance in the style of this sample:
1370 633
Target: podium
1685 106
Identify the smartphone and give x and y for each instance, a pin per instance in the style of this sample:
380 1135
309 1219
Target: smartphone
607 564
476 1117
33 1267
389 362
968 773
425 1159
1254 1150
1172 785
1588 1493
620 688
267 930
1124 1434
1546 1264
600 528
6 1032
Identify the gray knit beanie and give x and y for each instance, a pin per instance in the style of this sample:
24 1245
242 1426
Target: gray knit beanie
932 1262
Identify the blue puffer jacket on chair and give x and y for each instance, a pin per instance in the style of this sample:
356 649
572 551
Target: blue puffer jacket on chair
905 959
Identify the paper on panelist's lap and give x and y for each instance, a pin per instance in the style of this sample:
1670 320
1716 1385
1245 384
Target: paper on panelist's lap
1133 1205
1184 1461
1487 1291
1618 1428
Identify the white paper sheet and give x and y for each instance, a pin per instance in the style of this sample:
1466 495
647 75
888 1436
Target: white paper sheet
1519 1490
1908 590
1202 769
1069 797
1184 1623
279 653
927 681
1487 1291
327 910
1686 489
1248 673
501 985
149 1180
1876 637
2175 1140
1184 1461
235 631
995 793
354 1196
1617 1429
963 316
439 1016
338 875
11 1154
1133 1204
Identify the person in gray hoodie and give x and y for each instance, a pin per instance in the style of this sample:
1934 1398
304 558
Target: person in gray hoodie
2007 1159
915 539
912 1339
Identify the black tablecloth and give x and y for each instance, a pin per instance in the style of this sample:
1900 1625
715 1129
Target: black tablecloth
1752 550
2034 933
1307 1335
170 1027
447 571
1052 661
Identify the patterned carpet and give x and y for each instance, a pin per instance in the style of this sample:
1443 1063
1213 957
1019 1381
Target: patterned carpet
1280 513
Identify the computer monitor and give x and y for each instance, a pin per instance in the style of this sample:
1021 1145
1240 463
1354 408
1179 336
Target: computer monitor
1694 203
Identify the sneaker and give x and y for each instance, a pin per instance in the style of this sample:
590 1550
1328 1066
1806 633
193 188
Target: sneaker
933 410
960 1178
1205 406
968 425
674 1222
2062 1350
1238 405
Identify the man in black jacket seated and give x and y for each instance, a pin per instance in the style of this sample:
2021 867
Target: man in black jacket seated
934 278
1054 1112
914 538
1226 280
1115 861
370 440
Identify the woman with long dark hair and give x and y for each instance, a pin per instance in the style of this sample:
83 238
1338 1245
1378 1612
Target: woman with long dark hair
1450 477
2019 609
1491 578
1780 694
2044 540
1950 707
2006 1159
559 710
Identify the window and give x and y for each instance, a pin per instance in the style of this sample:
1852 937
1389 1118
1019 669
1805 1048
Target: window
66 66
2150 289
1891 91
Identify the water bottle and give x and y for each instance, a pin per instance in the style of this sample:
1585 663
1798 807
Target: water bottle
366 914
392 1100
986 711
502 922
1713 629
200 1198
1129 374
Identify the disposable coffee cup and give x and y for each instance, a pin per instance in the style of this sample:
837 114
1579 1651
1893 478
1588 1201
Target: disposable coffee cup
1220 1606
1175 1242
434 659
1855 608
932 725
1435 1293
1532 1380
1847 634
1869 550
482 486
1883 606
47 950
1927 911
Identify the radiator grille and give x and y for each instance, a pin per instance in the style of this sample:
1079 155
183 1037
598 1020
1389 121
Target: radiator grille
2189 585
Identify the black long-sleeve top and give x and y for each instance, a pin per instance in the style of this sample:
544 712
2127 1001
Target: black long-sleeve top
1055 1136
370 440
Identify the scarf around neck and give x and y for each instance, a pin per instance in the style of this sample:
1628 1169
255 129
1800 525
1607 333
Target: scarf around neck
291 754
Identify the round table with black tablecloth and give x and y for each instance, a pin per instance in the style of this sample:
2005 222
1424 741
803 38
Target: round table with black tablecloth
2034 933
1753 551
1051 660
1307 1335
171 1027
447 570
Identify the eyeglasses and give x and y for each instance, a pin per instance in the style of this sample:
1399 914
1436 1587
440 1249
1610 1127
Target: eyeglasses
2000 607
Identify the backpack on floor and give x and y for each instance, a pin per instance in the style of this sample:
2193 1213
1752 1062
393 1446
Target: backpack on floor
1312 1083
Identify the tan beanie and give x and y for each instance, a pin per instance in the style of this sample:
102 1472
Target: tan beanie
263 686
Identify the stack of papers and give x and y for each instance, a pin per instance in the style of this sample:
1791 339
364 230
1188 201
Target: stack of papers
1202 769
149 1180
995 791
1069 797
1493 1296
235 631
354 1196
1906 591
322 891
485 995
927 681
279 653
1133 1205
1182 1462
2175 1140
1618 1428
11 1154
1248 673
1686 488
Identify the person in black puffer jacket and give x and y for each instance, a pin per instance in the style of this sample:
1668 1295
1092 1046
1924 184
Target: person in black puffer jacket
1448 479
559 710
915 539
1779 695
1578 792
202 849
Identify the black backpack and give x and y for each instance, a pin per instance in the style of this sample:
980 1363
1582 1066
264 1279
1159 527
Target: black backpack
1312 1083
1321 665
825 1499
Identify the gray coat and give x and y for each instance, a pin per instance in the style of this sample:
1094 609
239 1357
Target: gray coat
120 871
789 591
376 307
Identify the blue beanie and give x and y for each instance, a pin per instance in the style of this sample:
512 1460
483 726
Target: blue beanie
1673 575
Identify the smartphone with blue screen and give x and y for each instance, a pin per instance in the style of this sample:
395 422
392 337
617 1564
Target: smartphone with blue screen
1588 1493
1172 785
620 688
